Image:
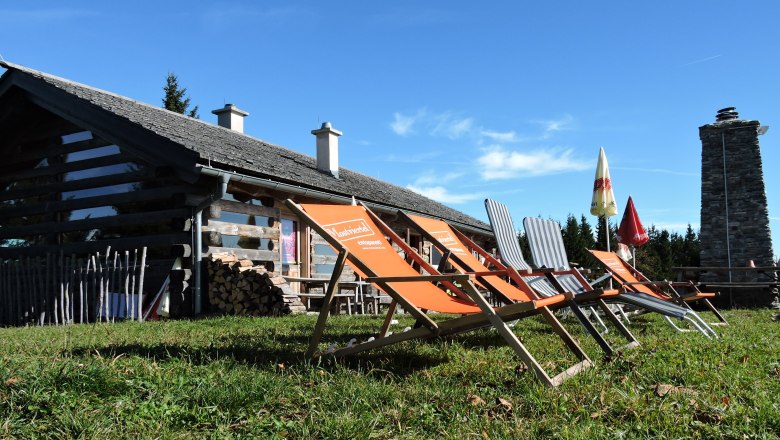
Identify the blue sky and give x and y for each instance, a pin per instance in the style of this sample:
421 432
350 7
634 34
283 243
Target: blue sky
457 100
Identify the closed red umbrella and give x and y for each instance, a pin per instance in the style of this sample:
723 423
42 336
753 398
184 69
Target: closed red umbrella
631 232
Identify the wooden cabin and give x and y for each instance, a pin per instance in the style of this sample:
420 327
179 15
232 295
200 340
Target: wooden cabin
84 169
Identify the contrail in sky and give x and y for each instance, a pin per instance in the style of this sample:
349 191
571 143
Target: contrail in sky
702 60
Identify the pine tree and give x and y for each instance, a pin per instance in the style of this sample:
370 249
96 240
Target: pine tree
586 234
175 99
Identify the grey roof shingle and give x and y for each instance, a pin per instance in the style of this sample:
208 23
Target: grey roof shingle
227 149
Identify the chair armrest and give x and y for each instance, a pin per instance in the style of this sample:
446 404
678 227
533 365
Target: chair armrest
432 278
488 273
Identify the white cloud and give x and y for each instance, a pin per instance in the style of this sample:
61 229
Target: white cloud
431 178
498 163
403 125
435 124
442 194
451 127
500 136
550 126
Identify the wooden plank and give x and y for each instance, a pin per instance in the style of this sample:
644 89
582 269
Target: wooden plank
145 195
75 185
86 247
235 229
93 223
248 254
56 150
323 259
243 208
78 165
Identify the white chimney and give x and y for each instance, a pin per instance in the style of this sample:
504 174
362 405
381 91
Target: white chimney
231 117
327 149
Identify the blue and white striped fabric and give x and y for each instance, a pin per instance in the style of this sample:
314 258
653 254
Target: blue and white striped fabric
546 241
547 248
509 248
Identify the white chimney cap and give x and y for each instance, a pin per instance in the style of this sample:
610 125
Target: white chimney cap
231 117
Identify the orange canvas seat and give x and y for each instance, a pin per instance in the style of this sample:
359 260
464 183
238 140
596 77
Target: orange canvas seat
364 242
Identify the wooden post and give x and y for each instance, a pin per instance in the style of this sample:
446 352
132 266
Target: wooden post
126 275
141 285
133 275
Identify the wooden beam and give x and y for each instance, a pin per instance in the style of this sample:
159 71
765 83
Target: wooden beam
30 152
75 185
78 165
248 254
93 223
145 195
85 247
243 208
252 231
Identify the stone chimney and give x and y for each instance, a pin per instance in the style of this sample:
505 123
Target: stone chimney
734 214
327 149
231 117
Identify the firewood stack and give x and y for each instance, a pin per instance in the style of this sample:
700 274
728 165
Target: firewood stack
240 287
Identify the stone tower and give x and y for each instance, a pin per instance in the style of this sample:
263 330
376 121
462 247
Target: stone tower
734 215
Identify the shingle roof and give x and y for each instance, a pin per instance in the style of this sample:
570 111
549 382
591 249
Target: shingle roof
227 149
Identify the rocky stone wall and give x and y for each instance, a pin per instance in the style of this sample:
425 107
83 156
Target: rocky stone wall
734 214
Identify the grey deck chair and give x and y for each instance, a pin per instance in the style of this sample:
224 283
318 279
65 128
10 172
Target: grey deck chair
512 256
546 242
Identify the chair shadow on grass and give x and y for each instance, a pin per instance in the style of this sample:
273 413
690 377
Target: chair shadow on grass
266 354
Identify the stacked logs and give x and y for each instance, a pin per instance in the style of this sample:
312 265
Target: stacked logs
242 288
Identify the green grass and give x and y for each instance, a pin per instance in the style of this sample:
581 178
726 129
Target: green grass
244 377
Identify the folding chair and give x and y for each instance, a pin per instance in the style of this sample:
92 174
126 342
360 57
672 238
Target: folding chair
366 243
633 280
457 248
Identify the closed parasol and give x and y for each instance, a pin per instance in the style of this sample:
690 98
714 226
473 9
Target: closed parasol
603 202
631 231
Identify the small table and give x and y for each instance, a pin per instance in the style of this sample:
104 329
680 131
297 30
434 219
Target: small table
307 283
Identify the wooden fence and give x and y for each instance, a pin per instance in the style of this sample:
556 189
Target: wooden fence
60 289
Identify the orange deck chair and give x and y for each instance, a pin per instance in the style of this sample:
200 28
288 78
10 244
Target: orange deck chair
457 249
364 242
633 281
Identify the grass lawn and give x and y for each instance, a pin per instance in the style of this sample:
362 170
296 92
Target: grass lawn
243 377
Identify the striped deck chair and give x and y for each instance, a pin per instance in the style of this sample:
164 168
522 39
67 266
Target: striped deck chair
546 241
512 256
459 251
633 280
364 242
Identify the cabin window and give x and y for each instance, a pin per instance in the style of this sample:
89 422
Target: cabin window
289 243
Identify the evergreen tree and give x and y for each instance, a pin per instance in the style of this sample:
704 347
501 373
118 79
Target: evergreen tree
601 241
175 99
525 248
586 234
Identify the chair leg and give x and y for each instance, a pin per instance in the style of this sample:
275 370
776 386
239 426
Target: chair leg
561 331
518 347
715 311
388 319
622 329
319 328
591 329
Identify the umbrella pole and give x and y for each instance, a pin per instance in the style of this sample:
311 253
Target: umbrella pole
606 224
